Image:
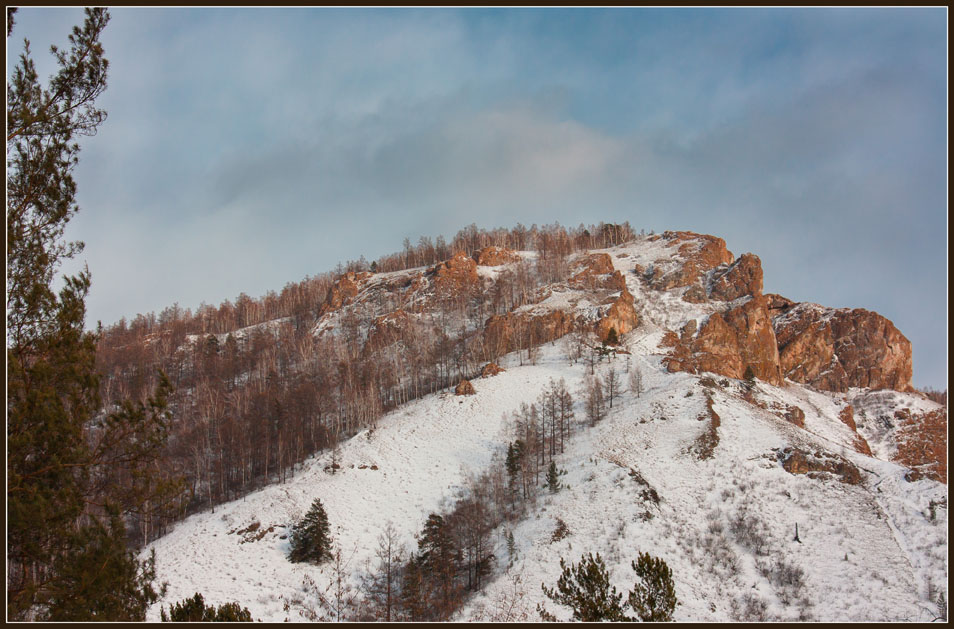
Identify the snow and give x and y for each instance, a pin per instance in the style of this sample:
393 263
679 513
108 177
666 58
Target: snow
868 552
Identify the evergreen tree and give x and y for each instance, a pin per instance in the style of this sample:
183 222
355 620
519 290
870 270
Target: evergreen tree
195 610
412 591
612 338
553 478
70 468
515 452
438 556
101 581
653 596
585 588
311 537
749 378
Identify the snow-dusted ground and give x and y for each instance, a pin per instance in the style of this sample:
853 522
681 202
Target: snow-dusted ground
422 452
867 552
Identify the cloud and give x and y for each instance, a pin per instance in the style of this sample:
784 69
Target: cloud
248 148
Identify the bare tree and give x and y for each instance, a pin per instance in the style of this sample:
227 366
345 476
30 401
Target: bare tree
594 402
612 385
636 381
381 586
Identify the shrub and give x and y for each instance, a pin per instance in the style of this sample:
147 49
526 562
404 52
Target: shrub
195 610
586 590
561 531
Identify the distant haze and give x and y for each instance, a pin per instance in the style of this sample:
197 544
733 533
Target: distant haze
247 148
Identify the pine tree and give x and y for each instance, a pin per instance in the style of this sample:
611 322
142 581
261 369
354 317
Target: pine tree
437 556
70 468
101 581
612 338
585 588
653 596
412 591
311 537
553 478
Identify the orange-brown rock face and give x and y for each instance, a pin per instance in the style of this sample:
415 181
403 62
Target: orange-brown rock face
621 316
819 464
495 256
457 275
743 277
847 417
514 330
699 253
922 443
837 349
729 342
591 271
342 292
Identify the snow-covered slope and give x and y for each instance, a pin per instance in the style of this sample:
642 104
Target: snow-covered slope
876 550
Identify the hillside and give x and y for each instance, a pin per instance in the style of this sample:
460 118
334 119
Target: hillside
700 467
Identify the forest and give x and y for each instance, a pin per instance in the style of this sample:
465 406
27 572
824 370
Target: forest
256 391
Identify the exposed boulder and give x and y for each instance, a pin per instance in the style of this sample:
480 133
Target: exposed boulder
496 256
835 349
464 388
491 369
794 415
819 464
729 342
742 277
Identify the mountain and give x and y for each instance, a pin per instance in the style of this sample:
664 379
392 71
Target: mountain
733 417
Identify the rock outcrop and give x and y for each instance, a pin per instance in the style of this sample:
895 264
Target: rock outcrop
456 276
495 256
742 277
793 415
835 349
696 254
847 417
922 443
819 464
342 292
464 388
729 342
621 315
515 330
592 271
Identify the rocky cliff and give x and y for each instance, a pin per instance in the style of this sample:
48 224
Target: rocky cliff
835 349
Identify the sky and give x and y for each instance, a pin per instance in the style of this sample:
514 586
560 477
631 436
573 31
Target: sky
247 148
